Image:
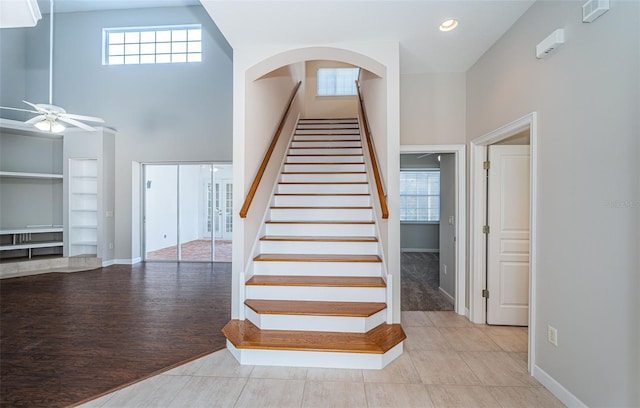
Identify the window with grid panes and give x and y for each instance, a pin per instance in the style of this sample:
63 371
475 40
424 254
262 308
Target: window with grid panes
337 81
152 45
420 195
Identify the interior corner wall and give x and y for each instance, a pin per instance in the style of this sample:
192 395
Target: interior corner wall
586 94
433 108
326 106
162 112
265 101
13 73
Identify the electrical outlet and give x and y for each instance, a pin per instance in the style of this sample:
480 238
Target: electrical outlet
444 268
110 245
552 335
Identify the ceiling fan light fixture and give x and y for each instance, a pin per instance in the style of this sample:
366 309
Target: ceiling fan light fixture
48 125
448 24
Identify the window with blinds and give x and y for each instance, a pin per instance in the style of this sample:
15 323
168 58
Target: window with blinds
420 195
337 81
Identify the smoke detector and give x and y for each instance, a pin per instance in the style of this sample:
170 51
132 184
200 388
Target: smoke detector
549 44
594 9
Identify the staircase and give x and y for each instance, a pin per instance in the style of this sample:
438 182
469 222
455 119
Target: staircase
317 294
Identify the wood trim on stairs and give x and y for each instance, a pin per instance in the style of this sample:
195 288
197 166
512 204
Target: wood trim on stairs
313 308
315 258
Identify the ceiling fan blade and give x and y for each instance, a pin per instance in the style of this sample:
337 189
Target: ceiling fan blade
35 119
76 123
36 107
17 109
424 155
81 117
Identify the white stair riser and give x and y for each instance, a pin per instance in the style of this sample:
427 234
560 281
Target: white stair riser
328 151
328 138
327 121
327 126
318 268
335 200
320 359
313 247
325 177
321 214
315 323
325 230
325 159
327 132
325 144
323 188
318 168
316 293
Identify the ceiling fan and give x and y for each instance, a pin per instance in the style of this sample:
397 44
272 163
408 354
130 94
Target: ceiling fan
49 115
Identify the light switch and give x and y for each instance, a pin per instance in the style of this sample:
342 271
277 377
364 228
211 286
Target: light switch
451 220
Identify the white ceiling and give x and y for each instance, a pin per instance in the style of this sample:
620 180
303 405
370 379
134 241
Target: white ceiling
69 6
414 24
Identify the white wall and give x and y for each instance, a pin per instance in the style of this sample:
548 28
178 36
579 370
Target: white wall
587 98
432 108
168 112
326 106
447 230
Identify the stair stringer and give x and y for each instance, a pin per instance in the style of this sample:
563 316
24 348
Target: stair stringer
377 213
255 248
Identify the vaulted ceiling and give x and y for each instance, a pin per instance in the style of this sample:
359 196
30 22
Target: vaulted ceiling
413 24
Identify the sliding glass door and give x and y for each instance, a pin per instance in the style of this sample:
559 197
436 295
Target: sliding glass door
184 211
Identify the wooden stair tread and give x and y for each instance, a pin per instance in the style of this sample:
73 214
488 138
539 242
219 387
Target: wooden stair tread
245 335
313 308
324 172
318 238
318 222
323 182
322 194
324 207
316 258
319 281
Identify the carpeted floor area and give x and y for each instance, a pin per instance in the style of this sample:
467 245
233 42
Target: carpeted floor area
420 281
66 337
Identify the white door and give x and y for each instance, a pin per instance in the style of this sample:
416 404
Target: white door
508 238
223 211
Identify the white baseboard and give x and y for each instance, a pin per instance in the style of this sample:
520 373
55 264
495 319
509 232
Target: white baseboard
419 250
566 397
448 296
127 261
108 263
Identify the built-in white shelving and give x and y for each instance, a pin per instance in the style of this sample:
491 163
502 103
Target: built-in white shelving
31 192
83 207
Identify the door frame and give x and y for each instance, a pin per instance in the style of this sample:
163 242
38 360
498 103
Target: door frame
459 152
477 247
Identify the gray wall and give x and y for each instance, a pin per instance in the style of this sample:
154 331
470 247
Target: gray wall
447 230
587 98
419 237
165 112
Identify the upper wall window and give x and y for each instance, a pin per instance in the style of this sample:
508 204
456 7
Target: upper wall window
152 45
337 81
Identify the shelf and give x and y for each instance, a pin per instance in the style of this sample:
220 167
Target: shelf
83 210
85 226
31 245
88 243
87 194
30 230
19 174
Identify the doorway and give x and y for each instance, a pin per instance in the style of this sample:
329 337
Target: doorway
512 133
186 212
447 231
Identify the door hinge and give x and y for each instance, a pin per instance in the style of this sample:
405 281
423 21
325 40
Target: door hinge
485 293
485 229
486 165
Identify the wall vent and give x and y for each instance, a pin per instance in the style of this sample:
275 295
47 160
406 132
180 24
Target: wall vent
593 9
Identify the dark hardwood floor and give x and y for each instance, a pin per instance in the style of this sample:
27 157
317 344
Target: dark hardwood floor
66 338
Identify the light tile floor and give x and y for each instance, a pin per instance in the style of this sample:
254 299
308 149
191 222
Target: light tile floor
448 362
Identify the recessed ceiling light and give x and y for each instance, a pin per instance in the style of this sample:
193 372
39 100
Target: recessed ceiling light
449 24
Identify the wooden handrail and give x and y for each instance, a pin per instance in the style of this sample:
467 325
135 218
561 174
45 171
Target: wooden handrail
382 196
267 156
